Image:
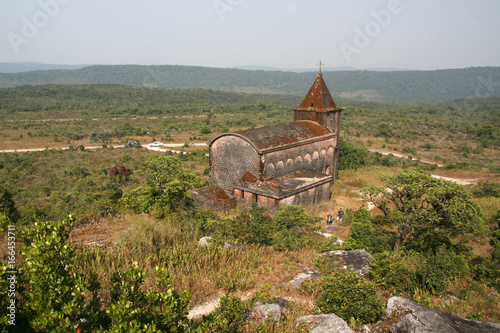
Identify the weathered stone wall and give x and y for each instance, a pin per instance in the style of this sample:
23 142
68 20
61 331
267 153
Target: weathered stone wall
230 158
309 197
317 156
203 199
329 119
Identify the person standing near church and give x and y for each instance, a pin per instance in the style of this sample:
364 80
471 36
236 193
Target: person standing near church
340 216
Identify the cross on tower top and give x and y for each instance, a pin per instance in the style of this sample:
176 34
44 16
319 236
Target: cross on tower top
320 63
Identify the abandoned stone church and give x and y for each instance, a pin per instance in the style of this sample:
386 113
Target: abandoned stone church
294 163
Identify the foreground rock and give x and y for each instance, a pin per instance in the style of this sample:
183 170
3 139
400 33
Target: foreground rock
272 310
325 323
205 241
359 260
306 274
233 246
415 318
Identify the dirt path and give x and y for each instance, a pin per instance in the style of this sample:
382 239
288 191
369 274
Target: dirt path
166 145
386 153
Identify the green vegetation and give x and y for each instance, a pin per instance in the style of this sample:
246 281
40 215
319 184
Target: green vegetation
425 209
128 259
349 296
438 85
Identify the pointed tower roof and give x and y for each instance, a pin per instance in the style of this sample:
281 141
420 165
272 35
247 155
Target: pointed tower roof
318 98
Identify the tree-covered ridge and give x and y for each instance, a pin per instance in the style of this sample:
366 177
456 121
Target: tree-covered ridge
436 85
118 99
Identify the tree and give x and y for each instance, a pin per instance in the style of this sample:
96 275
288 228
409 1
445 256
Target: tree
417 202
351 156
8 211
167 186
54 295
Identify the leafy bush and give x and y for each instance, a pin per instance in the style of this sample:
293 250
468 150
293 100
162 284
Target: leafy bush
384 130
428 146
329 244
349 296
131 309
393 271
229 317
8 211
52 297
166 189
287 230
434 271
487 189
486 270
351 156
293 224
363 237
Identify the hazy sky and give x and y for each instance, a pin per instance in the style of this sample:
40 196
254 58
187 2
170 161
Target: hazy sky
417 34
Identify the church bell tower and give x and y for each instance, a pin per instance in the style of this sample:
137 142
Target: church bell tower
318 106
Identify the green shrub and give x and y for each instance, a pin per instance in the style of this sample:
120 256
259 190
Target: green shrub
393 271
329 244
380 220
435 270
132 309
363 237
429 146
349 296
487 189
495 239
486 270
8 211
293 225
229 317
54 296
351 156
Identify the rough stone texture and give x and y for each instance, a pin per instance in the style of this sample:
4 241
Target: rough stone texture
325 323
230 158
205 241
306 274
206 198
269 311
416 318
315 156
359 260
233 246
332 228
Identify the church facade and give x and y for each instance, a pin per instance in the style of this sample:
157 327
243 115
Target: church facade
294 163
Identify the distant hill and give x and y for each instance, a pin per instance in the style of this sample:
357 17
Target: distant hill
398 86
18 67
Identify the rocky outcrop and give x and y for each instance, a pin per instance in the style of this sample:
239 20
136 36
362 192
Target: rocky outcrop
415 318
306 274
233 246
271 311
325 323
355 260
